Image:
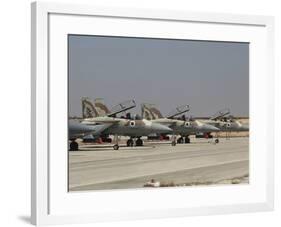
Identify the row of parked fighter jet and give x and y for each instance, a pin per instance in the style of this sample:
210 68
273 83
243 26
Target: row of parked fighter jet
99 121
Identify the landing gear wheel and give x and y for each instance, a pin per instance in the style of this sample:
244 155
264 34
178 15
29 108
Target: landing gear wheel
180 140
139 142
174 143
217 141
130 143
116 147
73 146
187 139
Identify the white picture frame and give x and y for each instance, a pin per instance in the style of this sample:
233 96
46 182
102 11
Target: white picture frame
52 204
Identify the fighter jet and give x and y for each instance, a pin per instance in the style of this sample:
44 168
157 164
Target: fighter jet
98 109
181 127
226 123
134 128
78 130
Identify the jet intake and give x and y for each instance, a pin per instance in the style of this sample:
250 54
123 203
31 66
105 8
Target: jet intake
187 124
132 123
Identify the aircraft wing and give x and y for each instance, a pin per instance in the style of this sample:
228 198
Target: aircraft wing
100 125
122 107
178 111
101 120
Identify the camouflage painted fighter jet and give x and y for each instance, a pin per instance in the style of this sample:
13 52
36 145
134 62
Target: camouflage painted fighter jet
134 128
182 127
226 122
98 109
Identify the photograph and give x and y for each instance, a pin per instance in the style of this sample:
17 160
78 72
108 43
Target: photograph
153 112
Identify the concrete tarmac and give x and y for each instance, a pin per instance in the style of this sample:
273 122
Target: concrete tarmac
199 163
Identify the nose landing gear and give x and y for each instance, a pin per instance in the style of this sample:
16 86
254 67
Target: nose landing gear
116 145
174 143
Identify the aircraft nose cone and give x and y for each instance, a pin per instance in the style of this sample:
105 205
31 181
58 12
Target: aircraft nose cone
209 128
158 128
245 128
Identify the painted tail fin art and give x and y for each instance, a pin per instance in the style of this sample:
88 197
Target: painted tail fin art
88 109
101 108
150 112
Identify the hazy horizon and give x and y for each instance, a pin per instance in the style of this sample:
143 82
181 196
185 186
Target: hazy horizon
208 76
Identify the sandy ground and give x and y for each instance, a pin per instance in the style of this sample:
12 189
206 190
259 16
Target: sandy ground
202 162
232 134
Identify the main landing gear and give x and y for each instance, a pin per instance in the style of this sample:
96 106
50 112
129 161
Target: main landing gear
185 139
180 140
139 142
217 138
73 146
131 142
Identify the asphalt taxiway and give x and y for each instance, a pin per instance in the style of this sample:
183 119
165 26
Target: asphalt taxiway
96 167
